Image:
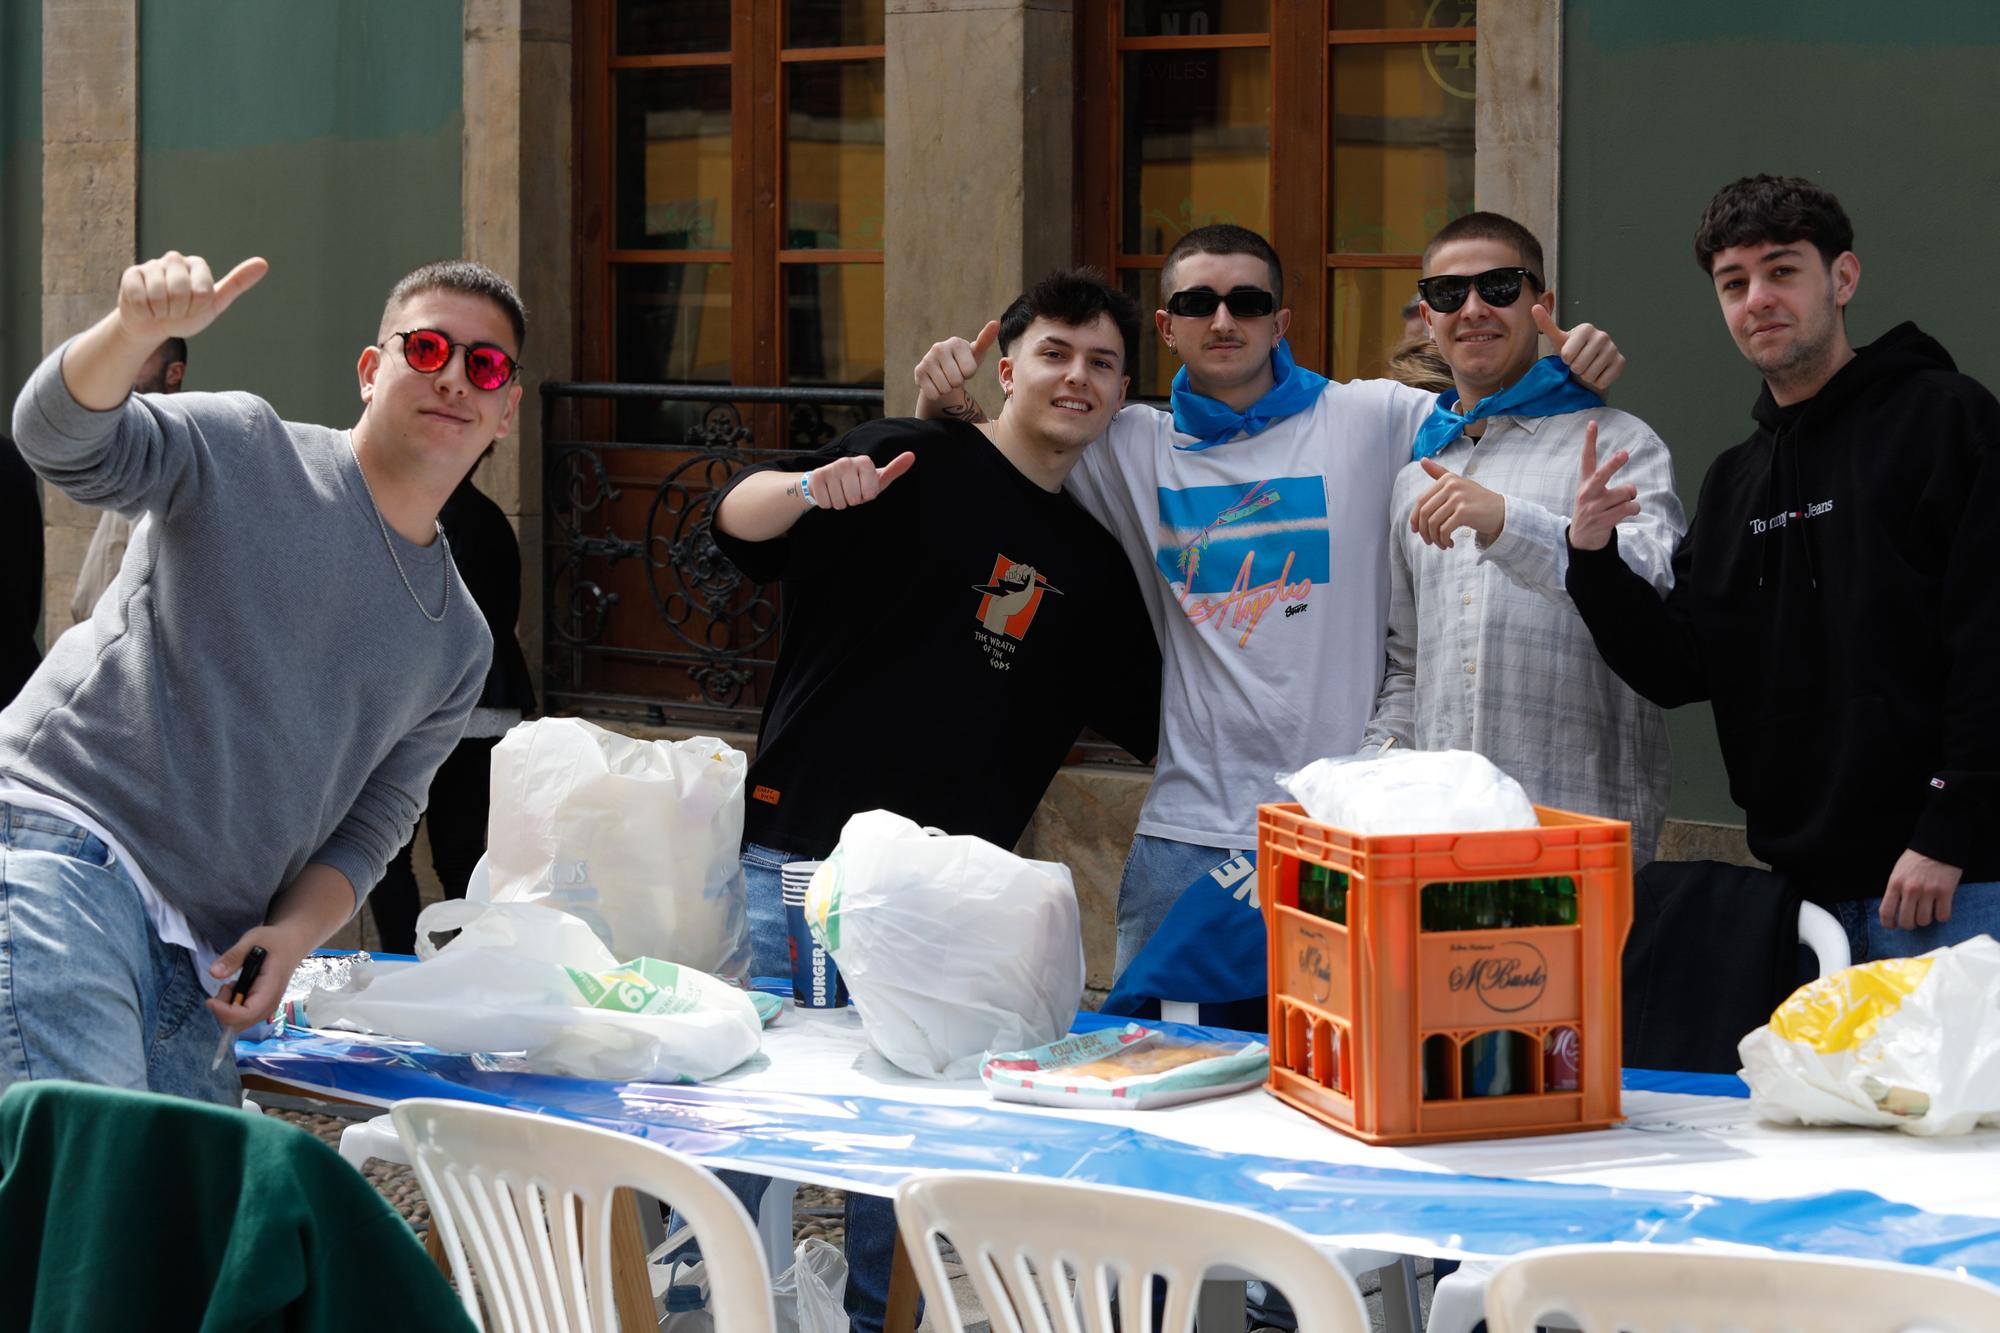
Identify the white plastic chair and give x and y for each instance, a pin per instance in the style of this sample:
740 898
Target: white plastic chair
1678 1289
365 1141
531 1197
1821 932
1025 1242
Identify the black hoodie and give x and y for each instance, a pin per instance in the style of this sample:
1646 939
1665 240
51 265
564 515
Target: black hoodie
1834 598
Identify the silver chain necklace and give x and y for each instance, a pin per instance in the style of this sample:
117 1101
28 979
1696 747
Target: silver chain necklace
384 525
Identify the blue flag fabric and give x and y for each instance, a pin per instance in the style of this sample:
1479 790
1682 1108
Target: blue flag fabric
1545 391
1211 422
1208 951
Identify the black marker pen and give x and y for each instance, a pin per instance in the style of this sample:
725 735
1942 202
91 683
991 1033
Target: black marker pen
239 990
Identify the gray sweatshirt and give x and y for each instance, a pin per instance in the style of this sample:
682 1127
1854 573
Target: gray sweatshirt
258 689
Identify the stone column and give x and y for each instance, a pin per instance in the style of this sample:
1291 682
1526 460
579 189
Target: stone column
1518 168
518 191
977 193
90 217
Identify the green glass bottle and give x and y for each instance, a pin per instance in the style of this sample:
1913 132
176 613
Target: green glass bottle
1312 889
1562 901
1336 896
1483 906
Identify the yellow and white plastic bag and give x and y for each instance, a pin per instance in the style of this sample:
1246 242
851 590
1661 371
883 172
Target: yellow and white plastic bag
1908 1043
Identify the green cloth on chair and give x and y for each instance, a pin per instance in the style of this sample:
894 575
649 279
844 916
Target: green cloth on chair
129 1210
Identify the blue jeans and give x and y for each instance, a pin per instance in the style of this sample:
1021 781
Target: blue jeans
770 940
1156 870
1975 910
88 991
871 1222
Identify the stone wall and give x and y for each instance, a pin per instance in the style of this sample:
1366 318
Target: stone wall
90 186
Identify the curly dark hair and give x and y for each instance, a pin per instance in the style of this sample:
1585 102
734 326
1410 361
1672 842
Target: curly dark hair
1073 297
1778 209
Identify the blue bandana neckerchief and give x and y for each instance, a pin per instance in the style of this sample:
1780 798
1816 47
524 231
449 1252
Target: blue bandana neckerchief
1211 422
1545 391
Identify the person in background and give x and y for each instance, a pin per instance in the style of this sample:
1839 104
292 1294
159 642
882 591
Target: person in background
1418 363
20 571
1834 597
488 556
1485 652
163 372
1413 321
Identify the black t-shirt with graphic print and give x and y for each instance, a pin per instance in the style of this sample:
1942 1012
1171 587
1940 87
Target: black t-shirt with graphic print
941 646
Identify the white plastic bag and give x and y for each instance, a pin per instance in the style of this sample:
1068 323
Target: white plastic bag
524 977
950 946
1411 791
809 1295
641 839
1912 1043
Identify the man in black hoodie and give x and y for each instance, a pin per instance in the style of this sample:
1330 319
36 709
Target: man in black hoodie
1833 596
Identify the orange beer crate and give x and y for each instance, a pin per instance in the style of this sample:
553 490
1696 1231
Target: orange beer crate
1420 1019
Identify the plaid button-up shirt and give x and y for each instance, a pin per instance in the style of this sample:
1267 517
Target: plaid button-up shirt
1485 650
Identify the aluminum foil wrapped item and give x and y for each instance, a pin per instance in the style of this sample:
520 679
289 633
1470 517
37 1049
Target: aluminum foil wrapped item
330 972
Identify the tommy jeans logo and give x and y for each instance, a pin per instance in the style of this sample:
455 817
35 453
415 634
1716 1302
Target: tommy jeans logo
1759 526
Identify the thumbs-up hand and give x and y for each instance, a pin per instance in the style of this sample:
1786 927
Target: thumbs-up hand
1454 502
1586 349
945 371
1599 505
854 480
175 296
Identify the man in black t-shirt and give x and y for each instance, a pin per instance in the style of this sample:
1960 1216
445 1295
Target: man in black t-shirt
951 620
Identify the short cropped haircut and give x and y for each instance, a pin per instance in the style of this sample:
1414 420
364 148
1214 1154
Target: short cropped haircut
1492 227
461 275
1223 238
1073 297
1773 209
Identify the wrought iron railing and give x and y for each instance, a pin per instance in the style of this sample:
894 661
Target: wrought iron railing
643 616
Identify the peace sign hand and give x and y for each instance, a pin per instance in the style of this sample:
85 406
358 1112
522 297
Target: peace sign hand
1600 507
1586 349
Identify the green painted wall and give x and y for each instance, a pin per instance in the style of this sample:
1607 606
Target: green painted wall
1892 107
20 196
325 138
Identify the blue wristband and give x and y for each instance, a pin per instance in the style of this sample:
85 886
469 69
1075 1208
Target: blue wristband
805 489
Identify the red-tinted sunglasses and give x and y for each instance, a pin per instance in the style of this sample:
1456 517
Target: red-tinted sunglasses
429 351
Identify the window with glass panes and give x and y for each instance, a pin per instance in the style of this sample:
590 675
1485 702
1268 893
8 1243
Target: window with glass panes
731 209
729 225
1340 129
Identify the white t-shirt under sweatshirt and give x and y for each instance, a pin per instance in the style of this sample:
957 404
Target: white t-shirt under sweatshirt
1264 566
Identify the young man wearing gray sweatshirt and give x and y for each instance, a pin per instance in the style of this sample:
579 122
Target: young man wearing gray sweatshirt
225 755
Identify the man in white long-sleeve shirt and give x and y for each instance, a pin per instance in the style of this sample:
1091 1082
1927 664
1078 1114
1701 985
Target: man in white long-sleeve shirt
1485 650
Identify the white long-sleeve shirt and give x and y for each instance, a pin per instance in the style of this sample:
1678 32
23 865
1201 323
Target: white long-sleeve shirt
1485 650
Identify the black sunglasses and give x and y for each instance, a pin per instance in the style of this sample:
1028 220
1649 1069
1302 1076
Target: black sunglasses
1497 287
1243 302
428 351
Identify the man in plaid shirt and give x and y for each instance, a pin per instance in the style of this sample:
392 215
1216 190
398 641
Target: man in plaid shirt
1485 650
